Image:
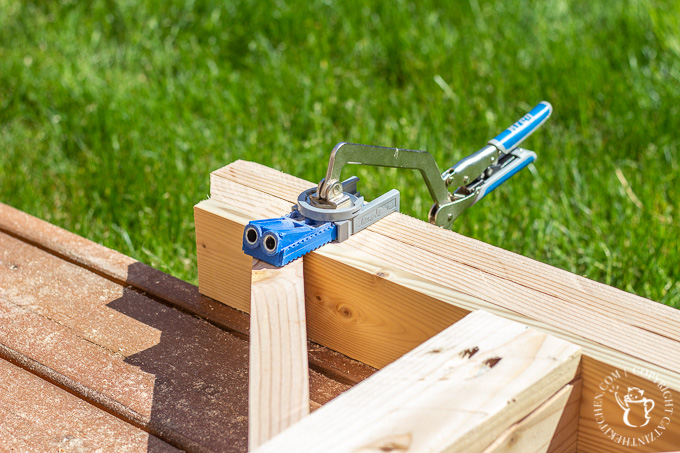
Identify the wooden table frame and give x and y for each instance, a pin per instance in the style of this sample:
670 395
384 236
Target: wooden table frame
383 292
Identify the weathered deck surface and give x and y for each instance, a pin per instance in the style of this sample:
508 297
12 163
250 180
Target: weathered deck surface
100 351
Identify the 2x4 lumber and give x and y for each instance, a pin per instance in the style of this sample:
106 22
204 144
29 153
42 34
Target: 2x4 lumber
39 416
456 392
429 290
470 252
278 373
161 286
176 376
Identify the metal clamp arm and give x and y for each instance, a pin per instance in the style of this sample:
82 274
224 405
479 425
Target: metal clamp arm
330 188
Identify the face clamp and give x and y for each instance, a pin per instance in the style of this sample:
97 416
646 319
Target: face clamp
335 210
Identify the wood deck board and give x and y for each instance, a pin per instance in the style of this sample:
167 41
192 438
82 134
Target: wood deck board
38 416
177 376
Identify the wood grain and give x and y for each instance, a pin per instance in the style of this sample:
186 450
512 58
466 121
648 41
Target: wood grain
334 312
214 236
456 392
660 327
593 435
491 260
279 372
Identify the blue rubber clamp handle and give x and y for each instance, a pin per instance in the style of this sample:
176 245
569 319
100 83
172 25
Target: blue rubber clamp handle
510 138
526 157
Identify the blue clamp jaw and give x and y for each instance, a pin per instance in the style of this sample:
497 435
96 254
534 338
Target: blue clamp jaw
335 210
280 241
307 227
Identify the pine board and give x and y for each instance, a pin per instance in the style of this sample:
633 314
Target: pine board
457 392
278 373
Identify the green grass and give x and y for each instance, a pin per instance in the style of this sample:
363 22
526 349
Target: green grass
113 114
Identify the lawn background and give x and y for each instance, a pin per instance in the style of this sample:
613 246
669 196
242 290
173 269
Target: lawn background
113 114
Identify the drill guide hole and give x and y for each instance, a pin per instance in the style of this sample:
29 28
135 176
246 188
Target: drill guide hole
251 236
270 243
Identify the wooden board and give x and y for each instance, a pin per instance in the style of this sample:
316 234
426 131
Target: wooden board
36 416
456 392
278 373
430 289
172 374
453 247
160 286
